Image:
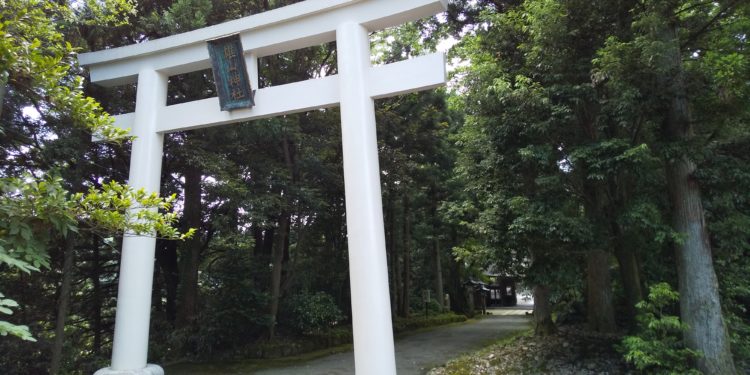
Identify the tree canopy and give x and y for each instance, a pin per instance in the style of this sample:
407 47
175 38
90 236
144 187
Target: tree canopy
595 153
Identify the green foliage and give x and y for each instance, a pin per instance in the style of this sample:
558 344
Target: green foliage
37 67
33 212
116 208
417 307
313 313
27 208
234 309
420 321
6 328
657 348
183 15
106 13
37 61
563 148
561 99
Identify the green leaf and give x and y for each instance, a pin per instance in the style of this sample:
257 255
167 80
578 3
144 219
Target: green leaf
19 331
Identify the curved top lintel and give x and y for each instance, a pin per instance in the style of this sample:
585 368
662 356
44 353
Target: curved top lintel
299 25
255 21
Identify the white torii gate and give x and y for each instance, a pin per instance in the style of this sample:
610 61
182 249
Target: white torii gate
304 24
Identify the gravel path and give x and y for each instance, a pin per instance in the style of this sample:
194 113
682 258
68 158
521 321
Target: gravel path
417 353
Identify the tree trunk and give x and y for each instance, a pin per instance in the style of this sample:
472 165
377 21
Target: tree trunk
257 239
3 88
166 257
456 290
96 325
63 307
398 290
700 306
190 249
438 281
392 261
277 262
600 310
630 276
406 250
398 235
264 241
280 251
543 324
601 315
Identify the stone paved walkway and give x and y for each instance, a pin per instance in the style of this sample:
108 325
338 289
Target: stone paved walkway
417 353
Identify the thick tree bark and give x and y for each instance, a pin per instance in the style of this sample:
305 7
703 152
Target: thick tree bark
190 249
264 240
96 324
398 290
390 249
599 302
621 188
700 306
257 239
438 280
406 250
280 252
166 257
600 311
630 276
455 279
156 291
277 262
63 307
601 315
543 324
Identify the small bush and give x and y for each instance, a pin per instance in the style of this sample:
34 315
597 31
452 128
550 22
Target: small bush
657 348
417 321
312 313
417 306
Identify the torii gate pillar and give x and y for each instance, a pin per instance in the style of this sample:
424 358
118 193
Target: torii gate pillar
357 84
368 266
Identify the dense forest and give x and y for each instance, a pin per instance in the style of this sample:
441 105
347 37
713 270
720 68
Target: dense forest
598 152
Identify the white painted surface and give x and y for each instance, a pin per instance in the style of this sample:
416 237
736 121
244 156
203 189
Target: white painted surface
421 73
300 25
368 268
251 60
303 24
130 346
148 370
257 21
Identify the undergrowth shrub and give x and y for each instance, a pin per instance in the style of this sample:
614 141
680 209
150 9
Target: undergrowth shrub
233 312
312 313
417 306
420 321
657 348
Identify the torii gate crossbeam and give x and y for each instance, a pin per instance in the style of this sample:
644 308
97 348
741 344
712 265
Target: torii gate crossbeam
300 25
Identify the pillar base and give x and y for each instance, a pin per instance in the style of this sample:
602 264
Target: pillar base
148 370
